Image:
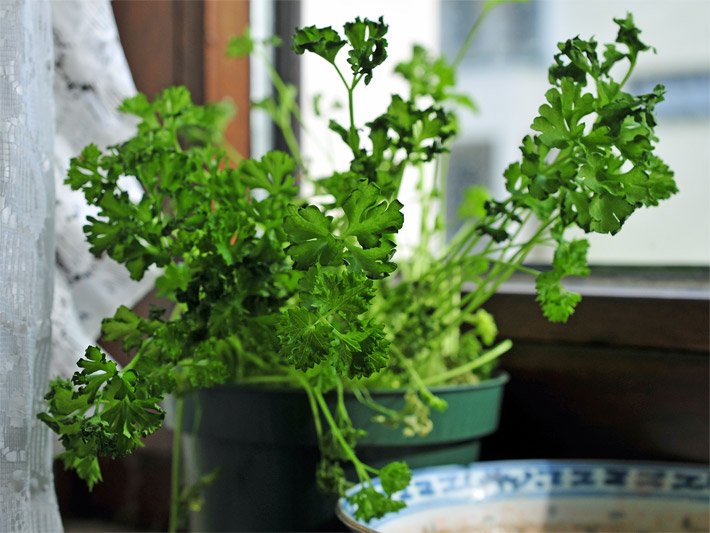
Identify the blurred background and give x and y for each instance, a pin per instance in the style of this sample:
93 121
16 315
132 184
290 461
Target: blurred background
628 376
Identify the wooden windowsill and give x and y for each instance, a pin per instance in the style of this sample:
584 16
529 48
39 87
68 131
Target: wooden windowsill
667 310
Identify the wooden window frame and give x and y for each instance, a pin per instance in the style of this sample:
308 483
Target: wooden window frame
187 47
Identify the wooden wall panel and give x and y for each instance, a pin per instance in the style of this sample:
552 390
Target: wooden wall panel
183 42
664 323
163 42
148 46
603 402
625 378
225 77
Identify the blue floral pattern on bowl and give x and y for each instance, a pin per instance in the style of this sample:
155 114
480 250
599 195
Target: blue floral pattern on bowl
525 496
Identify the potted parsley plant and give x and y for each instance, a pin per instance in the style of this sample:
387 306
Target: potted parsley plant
273 292
589 164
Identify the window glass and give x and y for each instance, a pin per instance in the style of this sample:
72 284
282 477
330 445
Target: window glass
507 77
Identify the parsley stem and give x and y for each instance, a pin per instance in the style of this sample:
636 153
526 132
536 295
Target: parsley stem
421 386
471 35
342 78
338 435
133 362
497 278
421 259
292 110
459 241
350 88
342 410
283 118
312 403
363 396
351 108
175 467
628 73
483 359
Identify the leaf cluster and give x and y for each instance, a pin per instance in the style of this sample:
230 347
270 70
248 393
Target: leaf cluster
101 410
591 162
241 256
588 165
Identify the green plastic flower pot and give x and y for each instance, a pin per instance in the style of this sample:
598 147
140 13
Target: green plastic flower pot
264 443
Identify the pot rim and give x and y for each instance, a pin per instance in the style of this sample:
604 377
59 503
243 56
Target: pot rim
499 379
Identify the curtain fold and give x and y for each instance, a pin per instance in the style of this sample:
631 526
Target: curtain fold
27 499
58 60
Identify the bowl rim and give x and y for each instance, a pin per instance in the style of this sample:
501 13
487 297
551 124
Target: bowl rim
350 522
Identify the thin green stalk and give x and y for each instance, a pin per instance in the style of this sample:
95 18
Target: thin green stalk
342 78
284 122
356 80
350 89
419 383
422 255
175 468
480 297
459 240
285 125
291 141
468 41
628 73
441 174
359 467
446 273
423 198
470 36
363 396
461 261
483 359
342 410
313 405
133 362
351 109
462 245
416 379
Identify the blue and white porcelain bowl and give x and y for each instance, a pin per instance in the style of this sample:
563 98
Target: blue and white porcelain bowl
528 496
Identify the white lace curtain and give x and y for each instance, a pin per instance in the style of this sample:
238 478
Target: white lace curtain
62 75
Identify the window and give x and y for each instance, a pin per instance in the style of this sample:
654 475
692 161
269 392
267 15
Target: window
470 163
506 72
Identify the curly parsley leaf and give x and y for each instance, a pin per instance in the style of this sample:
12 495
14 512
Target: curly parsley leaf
88 427
592 161
240 45
557 302
395 476
331 325
369 217
361 242
369 46
273 173
324 42
370 503
312 241
128 327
